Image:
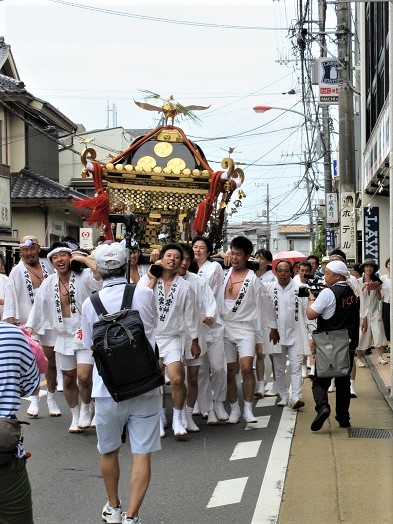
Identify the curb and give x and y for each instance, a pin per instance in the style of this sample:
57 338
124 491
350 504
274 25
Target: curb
380 383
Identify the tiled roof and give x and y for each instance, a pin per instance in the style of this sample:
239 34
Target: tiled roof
10 85
27 184
294 228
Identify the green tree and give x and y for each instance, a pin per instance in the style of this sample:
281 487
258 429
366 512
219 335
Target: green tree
320 246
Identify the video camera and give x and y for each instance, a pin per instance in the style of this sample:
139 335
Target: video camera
313 284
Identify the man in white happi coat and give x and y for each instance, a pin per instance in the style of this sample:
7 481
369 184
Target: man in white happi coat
216 373
22 286
209 320
58 306
247 310
292 327
178 317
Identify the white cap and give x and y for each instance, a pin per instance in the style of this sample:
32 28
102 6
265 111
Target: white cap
338 267
110 256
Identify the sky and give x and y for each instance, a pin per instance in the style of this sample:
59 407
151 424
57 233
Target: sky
85 56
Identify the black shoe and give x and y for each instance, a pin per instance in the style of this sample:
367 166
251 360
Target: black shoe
343 423
318 421
368 351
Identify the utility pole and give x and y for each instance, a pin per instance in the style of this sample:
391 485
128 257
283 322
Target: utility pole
309 187
267 217
325 134
346 157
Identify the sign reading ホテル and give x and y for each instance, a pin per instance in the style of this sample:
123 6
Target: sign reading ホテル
347 225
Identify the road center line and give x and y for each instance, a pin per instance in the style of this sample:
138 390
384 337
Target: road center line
269 500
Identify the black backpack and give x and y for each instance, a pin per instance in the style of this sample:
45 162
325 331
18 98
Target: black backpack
125 359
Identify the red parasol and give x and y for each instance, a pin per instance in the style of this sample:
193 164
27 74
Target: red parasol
291 256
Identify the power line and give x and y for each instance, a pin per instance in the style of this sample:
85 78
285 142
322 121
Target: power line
167 20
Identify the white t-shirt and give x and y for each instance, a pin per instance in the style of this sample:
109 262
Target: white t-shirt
386 286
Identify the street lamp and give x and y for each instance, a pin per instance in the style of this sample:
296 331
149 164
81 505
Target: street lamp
263 109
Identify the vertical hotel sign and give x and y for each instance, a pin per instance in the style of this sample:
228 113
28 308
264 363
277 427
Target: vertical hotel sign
328 81
347 224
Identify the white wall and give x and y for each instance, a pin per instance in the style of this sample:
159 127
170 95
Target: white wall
106 141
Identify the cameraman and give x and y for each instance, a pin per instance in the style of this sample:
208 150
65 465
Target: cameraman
334 308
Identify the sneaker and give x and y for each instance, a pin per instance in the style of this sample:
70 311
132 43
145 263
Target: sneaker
380 361
129 520
112 515
53 408
360 364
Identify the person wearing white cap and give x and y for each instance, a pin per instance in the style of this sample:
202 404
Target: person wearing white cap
334 308
141 414
19 294
58 306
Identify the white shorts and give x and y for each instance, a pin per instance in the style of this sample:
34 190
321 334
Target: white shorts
142 416
170 350
69 362
49 339
243 347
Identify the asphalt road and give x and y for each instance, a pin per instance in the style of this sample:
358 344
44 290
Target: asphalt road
214 476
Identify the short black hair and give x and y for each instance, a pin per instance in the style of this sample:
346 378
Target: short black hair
187 250
305 263
356 267
58 244
338 252
171 245
315 257
206 240
243 243
265 253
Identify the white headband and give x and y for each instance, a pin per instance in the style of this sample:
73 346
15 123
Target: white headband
30 242
58 250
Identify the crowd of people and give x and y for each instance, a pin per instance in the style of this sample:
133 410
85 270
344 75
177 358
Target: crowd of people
211 323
